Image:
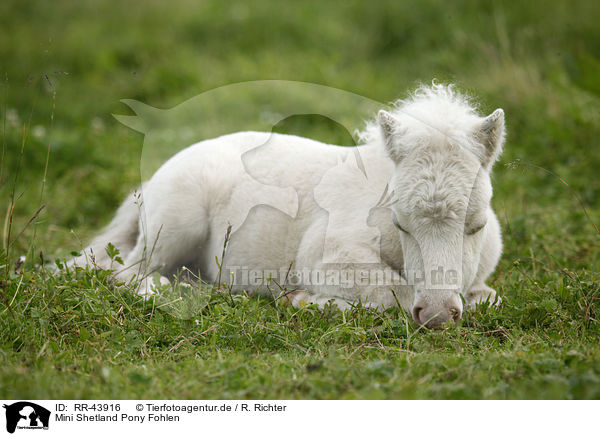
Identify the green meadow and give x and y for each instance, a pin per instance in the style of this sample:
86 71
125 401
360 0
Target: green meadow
67 163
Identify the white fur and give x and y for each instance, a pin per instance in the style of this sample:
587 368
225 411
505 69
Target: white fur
293 201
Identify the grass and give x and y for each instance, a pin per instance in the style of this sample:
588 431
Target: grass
65 66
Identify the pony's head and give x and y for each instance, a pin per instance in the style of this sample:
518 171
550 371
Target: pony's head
443 153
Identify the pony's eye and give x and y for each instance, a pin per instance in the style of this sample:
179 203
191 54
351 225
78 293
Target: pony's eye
475 229
396 223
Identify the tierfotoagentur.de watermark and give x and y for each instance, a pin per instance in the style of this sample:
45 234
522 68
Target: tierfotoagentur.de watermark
345 277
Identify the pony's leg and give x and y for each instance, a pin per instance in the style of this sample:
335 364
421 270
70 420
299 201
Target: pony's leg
374 285
479 292
301 298
374 295
352 261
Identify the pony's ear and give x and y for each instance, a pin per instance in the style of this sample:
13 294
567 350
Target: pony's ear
391 131
491 135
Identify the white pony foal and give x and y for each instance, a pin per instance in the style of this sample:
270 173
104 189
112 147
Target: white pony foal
413 201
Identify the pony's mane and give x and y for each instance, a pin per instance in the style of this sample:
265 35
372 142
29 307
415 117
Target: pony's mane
432 113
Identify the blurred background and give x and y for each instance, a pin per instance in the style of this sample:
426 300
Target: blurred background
66 65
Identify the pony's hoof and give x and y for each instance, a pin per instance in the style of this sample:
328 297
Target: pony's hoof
482 296
150 286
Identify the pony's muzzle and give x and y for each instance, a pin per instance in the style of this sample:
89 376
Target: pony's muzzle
435 316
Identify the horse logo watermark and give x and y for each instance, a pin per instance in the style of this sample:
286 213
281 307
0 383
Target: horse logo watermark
26 415
407 209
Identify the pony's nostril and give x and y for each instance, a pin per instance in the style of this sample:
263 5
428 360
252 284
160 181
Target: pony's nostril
416 312
455 314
